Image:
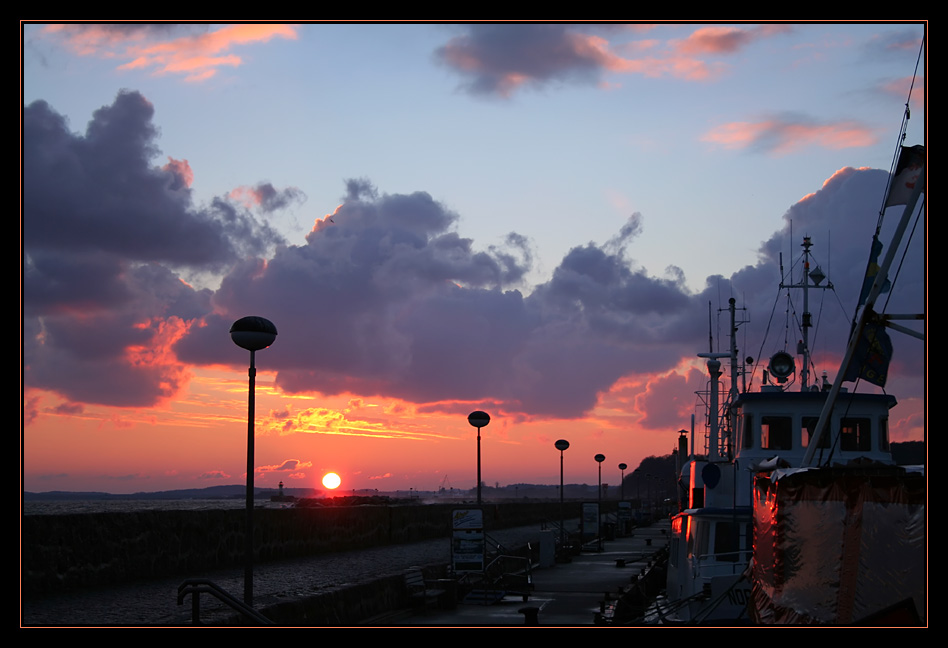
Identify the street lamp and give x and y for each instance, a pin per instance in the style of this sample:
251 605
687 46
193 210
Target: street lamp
599 459
251 333
562 445
622 468
478 419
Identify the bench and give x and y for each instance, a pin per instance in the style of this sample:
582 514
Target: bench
419 592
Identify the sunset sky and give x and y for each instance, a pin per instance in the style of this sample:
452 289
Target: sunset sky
525 219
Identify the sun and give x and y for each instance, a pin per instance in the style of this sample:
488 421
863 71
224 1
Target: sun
331 480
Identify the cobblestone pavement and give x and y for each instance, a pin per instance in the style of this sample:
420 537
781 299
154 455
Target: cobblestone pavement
155 602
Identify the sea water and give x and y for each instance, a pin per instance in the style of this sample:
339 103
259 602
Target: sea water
63 507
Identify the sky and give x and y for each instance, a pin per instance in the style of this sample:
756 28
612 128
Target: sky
540 221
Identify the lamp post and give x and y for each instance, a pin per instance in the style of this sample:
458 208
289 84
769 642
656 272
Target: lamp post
648 482
599 459
562 445
251 333
478 419
622 468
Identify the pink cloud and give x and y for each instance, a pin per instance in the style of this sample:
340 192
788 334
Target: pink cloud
900 88
783 135
726 40
668 401
716 40
683 67
90 39
196 55
839 174
181 169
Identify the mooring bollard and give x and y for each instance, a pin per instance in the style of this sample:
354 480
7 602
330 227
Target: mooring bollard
531 615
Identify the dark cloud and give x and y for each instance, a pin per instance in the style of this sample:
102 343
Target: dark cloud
214 474
68 409
270 199
104 230
360 188
287 466
386 299
499 58
101 193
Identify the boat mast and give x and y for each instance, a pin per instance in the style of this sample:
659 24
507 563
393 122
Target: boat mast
733 393
817 276
714 371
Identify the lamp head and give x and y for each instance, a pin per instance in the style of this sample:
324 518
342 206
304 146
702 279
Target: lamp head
478 419
253 333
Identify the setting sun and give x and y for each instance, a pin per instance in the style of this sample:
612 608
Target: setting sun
331 481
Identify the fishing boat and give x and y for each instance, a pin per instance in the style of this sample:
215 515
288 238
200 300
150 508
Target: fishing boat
750 434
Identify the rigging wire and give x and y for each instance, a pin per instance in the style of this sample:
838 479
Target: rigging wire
816 335
906 115
766 336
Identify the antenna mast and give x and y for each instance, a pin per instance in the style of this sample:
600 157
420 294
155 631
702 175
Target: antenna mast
815 276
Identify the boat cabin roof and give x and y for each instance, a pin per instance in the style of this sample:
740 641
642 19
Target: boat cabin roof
810 400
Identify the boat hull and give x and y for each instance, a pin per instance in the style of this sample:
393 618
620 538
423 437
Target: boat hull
839 546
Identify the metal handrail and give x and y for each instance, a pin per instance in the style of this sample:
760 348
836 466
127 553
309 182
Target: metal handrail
506 557
197 586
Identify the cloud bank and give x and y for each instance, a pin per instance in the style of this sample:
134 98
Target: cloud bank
383 297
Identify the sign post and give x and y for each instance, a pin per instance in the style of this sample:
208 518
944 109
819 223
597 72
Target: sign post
468 544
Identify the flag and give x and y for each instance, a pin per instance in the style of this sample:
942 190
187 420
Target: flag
873 352
911 162
872 269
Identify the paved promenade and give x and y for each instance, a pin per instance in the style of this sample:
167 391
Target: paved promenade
155 602
565 594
